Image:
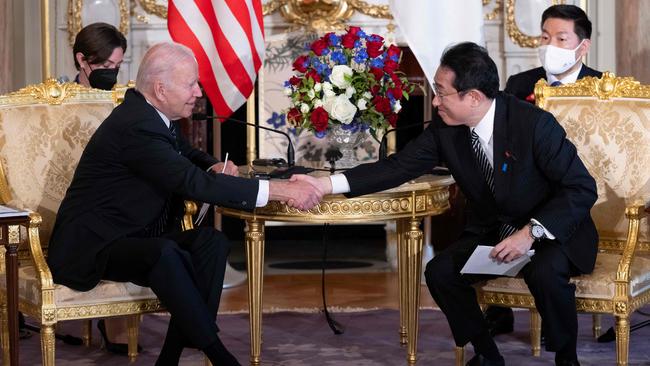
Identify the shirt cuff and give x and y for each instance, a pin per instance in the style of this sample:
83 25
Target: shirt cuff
262 193
548 233
339 184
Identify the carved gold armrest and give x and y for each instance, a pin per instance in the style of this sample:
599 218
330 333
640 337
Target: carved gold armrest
634 214
36 252
190 211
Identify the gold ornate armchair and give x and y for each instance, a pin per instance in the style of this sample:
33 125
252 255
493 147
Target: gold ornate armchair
43 131
608 120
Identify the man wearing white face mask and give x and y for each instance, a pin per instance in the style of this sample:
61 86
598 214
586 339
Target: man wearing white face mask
566 33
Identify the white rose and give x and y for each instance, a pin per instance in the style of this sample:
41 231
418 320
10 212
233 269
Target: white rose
311 94
318 87
327 86
329 93
362 104
367 95
349 91
288 91
397 106
339 73
304 108
318 103
342 110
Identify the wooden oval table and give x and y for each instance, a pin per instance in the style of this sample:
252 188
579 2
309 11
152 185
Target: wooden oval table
407 204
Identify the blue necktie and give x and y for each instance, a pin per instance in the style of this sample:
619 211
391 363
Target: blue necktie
556 83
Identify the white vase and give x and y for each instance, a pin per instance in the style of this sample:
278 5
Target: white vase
346 140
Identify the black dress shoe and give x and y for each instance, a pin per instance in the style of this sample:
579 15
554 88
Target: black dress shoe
480 360
117 348
500 320
564 362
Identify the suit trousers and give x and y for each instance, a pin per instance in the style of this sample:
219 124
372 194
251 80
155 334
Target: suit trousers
184 269
547 277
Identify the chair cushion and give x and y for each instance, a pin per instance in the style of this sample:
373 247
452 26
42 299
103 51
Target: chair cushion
105 292
599 284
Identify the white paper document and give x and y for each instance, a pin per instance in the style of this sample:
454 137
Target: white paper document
11 212
481 263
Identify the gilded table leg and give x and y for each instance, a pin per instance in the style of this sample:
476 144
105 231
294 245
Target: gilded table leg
47 344
535 332
460 356
401 279
4 333
255 260
413 239
622 339
132 326
86 332
596 324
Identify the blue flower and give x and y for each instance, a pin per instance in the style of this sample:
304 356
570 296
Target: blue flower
377 62
361 34
357 44
277 120
339 57
287 84
361 56
334 39
320 134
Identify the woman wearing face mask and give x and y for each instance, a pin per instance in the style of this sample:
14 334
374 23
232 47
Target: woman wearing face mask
98 53
566 33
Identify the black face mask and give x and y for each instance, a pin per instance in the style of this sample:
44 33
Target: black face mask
103 79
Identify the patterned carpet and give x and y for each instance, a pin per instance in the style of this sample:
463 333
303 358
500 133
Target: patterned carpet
370 338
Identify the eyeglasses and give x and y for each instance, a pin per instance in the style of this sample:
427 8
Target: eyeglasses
438 94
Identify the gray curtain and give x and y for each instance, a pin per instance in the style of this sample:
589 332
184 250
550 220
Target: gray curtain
6 23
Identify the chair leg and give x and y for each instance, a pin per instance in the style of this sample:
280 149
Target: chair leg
132 326
596 324
207 361
460 356
4 333
535 332
622 339
47 344
86 332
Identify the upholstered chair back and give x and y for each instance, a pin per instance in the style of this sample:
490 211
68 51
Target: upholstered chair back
608 120
43 131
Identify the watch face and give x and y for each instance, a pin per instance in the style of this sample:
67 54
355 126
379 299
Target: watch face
537 231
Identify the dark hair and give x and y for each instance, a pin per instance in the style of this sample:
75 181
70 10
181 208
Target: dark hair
581 23
473 67
97 41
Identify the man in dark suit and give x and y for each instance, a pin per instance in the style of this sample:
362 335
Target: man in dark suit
113 221
525 185
566 33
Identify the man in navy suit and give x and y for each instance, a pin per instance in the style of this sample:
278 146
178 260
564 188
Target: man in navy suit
113 223
566 33
526 188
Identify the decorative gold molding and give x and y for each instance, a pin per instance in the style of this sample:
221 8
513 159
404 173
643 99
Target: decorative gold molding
607 87
515 34
498 6
75 22
151 7
54 93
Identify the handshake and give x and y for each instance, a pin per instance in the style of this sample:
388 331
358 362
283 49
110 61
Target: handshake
300 191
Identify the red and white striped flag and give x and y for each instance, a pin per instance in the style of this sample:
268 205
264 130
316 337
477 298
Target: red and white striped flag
227 37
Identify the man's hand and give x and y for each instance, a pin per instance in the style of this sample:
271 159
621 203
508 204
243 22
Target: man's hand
513 246
231 169
297 193
323 184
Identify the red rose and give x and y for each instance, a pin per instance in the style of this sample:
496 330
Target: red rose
394 51
382 104
374 48
396 80
294 117
377 73
295 80
319 119
354 31
348 41
314 75
300 64
390 66
396 92
392 119
374 90
319 46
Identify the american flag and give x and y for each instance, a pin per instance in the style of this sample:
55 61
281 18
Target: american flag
227 37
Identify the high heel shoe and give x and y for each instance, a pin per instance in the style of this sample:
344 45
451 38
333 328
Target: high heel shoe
117 348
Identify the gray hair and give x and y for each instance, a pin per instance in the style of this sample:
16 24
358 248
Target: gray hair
159 63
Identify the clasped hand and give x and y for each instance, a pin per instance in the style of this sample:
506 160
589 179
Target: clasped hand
513 246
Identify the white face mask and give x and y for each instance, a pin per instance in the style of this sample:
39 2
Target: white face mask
557 60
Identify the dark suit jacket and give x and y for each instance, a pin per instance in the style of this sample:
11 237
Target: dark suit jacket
127 172
537 174
523 84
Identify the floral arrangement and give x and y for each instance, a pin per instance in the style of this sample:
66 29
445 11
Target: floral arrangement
349 79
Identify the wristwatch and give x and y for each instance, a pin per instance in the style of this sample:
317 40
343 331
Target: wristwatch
537 231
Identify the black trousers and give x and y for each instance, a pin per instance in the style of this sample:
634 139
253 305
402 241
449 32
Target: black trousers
547 277
184 269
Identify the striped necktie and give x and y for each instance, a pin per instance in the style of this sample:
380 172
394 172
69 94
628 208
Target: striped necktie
488 172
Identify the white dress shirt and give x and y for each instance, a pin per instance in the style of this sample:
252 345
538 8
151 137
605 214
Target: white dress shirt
485 131
569 79
262 191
